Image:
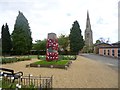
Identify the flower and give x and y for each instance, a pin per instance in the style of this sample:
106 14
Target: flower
1 72
17 85
12 77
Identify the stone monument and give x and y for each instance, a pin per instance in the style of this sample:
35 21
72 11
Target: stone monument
52 47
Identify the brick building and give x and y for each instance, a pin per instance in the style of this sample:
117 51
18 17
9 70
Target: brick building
112 50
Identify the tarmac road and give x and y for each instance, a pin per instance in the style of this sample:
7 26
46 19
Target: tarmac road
109 61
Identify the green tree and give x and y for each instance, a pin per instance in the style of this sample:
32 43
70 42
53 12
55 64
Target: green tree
6 40
76 39
39 45
63 41
21 35
97 42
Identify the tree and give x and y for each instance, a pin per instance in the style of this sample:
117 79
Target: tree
76 39
102 40
97 42
63 41
39 45
21 35
6 40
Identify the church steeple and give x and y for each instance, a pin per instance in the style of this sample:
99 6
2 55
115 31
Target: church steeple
88 33
88 25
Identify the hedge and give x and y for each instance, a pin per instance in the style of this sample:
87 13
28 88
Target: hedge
11 60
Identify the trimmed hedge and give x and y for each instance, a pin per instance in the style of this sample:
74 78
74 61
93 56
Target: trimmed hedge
11 60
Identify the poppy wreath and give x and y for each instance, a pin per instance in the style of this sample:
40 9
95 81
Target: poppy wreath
53 44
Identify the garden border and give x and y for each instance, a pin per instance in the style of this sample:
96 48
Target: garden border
51 66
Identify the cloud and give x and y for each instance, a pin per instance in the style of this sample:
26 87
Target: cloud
45 16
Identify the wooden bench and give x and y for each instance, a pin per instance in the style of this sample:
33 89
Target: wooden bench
10 73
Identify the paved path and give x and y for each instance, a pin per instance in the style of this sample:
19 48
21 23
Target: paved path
83 73
109 61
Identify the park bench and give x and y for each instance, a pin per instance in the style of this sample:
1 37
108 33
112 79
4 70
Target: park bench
10 73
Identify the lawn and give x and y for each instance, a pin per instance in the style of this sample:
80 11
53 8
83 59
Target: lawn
44 62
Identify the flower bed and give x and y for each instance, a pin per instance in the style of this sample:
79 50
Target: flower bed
52 64
67 57
61 57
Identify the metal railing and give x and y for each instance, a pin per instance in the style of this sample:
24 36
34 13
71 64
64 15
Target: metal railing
31 81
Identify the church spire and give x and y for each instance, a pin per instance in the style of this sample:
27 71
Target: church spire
88 25
88 15
88 34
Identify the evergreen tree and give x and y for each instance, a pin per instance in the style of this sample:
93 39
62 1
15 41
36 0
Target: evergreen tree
21 36
76 39
6 40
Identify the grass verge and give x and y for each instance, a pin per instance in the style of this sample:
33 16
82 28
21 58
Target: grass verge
44 62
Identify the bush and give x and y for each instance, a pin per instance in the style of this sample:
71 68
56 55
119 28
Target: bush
11 60
42 57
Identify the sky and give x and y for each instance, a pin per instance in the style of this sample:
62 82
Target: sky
57 16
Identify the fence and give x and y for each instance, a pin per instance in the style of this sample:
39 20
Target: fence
31 81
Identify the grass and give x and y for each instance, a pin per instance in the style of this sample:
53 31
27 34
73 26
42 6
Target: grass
44 62
8 85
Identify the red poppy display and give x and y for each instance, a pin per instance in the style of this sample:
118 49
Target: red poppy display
52 50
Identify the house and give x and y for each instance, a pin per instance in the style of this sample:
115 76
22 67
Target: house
98 45
112 50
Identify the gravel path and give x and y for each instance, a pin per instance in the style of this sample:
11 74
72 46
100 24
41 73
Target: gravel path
83 73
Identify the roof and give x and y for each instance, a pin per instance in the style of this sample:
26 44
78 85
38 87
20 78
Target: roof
102 43
110 47
113 45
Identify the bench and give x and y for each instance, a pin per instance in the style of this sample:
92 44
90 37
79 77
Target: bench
10 73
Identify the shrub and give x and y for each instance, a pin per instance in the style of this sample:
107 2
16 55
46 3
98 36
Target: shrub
11 60
42 57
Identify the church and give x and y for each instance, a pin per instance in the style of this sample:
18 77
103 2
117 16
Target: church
88 36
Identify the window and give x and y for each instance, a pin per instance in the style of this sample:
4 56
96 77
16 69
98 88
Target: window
118 52
108 52
113 52
104 52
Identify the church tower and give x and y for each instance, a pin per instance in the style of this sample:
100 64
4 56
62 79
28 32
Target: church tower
88 34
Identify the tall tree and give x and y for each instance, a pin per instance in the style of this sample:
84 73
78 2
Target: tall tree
76 38
6 40
21 35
